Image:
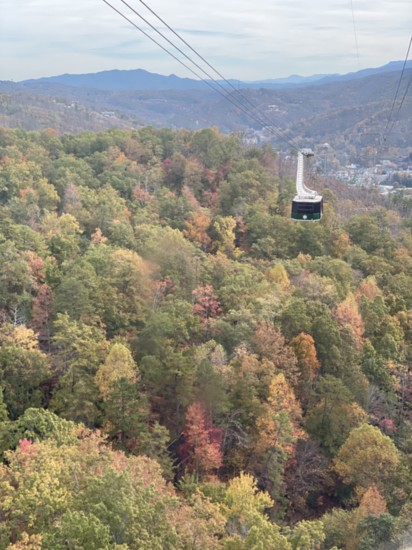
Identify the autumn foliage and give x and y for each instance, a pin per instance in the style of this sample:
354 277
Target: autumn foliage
184 367
202 442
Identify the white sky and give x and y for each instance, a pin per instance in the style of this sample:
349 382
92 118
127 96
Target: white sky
246 40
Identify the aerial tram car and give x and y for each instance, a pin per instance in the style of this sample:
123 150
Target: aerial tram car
307 205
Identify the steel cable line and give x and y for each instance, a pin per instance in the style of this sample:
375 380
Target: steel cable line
225 96
262 121
355 33
186 43
237 92
260 117
174 45
404 95
400 106
223 93
385 132
156 42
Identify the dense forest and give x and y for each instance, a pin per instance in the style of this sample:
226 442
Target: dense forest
184 367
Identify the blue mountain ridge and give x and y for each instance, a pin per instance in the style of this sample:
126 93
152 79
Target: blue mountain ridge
139 79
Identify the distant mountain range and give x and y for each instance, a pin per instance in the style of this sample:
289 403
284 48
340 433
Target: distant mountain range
348 112
139 79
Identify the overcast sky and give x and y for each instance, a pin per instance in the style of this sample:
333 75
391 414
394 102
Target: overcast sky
246 40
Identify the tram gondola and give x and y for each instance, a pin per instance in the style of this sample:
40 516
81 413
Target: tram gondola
307 205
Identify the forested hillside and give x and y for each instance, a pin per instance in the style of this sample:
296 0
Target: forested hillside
184 367
348 115
35 112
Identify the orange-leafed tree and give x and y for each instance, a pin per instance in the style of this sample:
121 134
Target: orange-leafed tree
278 429
369 289
37 268
41 311
372 502
98 237
202 448
269 343
196 229
281 408
349 318
308 364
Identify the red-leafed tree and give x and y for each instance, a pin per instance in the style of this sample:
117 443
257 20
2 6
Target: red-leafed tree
202 447
206 304
142 197
25 445
37 269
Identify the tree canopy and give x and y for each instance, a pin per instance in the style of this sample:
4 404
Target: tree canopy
183 366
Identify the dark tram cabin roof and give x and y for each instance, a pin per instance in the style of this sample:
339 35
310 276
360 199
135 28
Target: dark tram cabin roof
307 208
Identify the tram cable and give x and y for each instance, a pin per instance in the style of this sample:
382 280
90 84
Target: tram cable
307 205
386 132
400 106
257 114
156 30
216 71
355 33
260 117
224 95
219 89
187 44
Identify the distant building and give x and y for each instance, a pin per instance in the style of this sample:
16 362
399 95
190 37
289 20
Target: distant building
385 189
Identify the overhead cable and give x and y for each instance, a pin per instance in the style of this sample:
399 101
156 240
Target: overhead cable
198 54
386 132
261 118
355 33
216 86
176 58
238 92
174 45
400 106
